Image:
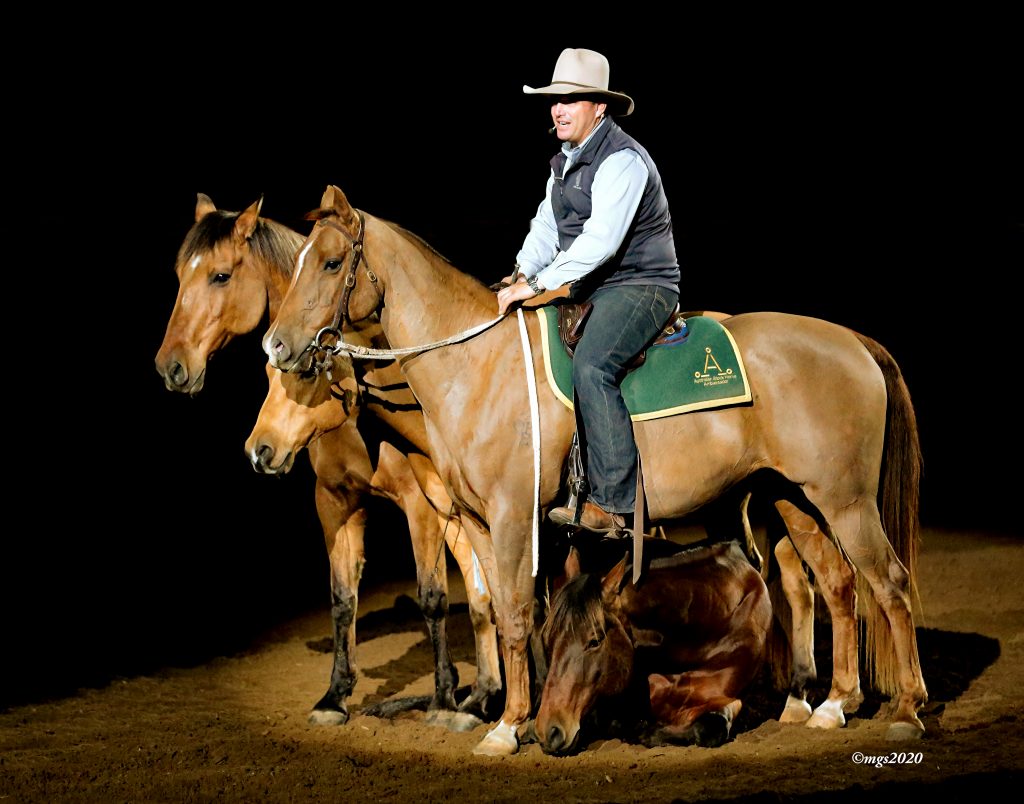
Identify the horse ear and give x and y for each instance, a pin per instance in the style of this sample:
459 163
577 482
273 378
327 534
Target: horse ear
612 582
572 564
245 225
335 201
204 206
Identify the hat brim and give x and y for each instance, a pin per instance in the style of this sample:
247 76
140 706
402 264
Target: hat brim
622 104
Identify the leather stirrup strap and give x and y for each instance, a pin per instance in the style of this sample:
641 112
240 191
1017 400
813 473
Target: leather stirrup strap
638 523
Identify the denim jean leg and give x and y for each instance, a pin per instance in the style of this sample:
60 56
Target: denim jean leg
625 319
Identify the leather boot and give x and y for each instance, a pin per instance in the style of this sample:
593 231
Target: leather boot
594 518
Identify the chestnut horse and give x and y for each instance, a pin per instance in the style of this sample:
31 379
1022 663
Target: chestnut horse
830 417
679 648
233 269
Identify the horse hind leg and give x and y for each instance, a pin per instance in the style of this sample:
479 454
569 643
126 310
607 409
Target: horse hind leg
395 479
837 583
487 684
799 594
898 671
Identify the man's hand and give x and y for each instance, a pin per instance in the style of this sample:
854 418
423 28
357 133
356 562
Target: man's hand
504 283
508 296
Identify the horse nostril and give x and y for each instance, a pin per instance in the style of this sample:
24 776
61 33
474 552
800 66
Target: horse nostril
177 374
262 456
556 739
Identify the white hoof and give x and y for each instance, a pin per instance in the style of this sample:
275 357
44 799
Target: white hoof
797 711
901 731
454 721
327 717
500 741
828 716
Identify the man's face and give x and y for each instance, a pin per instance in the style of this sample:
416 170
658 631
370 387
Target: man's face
575 119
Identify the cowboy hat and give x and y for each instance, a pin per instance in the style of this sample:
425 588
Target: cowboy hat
579 71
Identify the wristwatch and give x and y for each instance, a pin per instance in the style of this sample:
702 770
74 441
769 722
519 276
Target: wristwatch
534 285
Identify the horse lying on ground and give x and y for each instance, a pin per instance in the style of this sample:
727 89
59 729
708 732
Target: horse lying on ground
676 651
233 269
830 416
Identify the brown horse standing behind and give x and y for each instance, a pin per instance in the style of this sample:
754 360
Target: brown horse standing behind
690 636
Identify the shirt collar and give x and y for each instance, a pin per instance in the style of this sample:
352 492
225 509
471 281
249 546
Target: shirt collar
571 153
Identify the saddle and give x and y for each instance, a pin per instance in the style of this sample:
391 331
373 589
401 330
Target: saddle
572 317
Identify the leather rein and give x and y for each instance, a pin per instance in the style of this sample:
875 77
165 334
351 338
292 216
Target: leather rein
342 315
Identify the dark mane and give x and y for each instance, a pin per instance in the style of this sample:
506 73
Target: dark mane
271 242
576 607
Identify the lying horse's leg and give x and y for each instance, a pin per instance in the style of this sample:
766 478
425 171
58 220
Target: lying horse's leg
344 527
395 479
684 717
837 582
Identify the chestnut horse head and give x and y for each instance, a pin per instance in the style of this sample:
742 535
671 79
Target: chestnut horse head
298 409
697 624
231 266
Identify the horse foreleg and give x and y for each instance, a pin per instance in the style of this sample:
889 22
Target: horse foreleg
395 479
344 530
513 588
859 530
836 580
488 672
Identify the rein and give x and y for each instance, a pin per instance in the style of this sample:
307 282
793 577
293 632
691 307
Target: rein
342 316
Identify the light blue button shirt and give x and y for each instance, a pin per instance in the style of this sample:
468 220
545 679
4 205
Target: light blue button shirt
618 187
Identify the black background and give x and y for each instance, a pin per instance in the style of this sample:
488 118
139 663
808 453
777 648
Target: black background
866 171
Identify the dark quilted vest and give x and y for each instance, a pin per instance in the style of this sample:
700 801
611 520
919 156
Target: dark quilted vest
648 253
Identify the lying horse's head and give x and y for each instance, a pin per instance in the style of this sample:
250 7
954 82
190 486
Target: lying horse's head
590 654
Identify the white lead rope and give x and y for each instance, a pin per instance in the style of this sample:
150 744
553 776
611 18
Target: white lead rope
366 353
531 385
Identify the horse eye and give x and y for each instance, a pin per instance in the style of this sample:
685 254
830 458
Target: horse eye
332 266
595 642
220 279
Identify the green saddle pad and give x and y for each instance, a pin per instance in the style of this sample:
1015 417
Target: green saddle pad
698 369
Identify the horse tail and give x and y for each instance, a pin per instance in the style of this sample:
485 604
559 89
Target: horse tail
899 502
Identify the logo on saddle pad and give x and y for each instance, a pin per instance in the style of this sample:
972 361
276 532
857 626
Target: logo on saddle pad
699 369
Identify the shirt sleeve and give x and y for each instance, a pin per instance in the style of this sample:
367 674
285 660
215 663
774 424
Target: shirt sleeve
619 184
541 243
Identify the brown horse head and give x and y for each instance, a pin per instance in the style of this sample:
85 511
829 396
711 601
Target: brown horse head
590 653
298 409
331 285
228 266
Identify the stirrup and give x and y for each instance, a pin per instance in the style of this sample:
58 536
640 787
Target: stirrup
577 482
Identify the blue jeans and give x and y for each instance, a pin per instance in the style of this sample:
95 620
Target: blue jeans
625 319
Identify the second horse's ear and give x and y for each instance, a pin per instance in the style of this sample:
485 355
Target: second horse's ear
612 582
572 564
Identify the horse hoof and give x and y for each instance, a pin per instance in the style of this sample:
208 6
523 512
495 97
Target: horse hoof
711 730
796 711
328 717
827 716
454 721
903 730
501 741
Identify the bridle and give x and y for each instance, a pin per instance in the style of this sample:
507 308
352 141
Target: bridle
341 316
